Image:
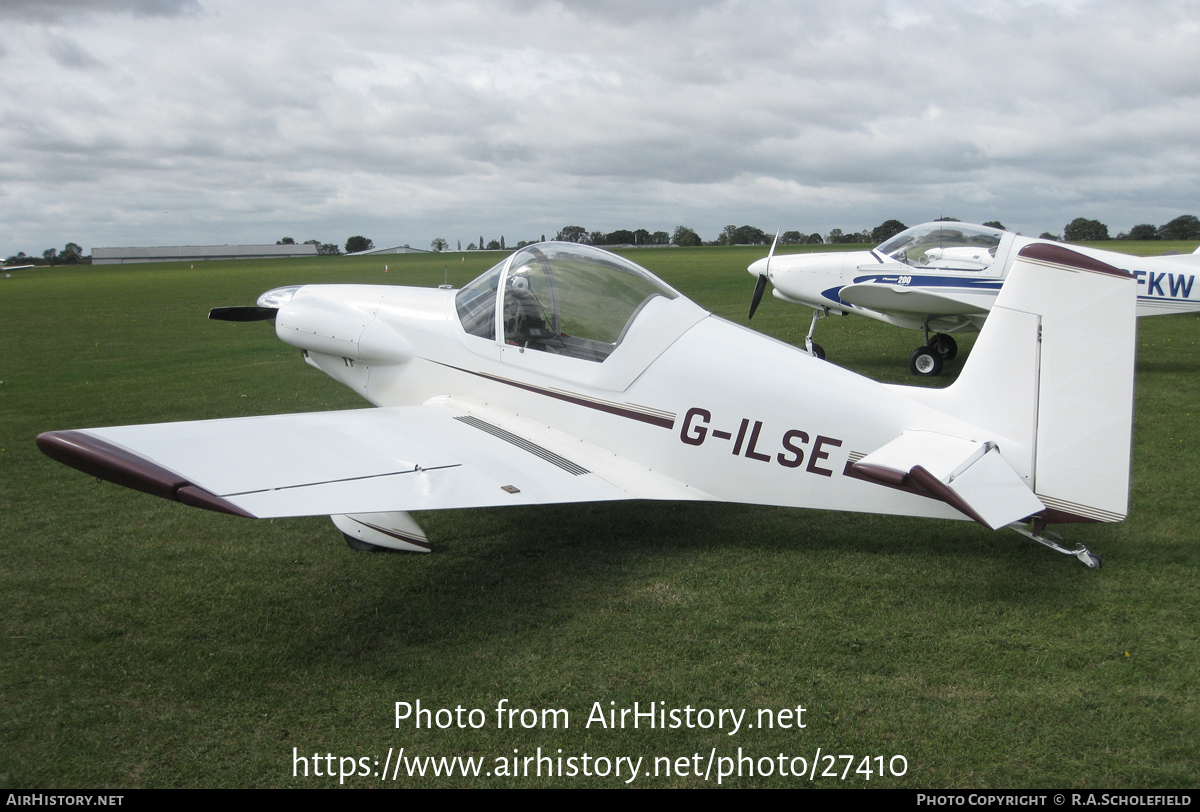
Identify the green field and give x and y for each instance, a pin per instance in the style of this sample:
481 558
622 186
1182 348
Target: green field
147 644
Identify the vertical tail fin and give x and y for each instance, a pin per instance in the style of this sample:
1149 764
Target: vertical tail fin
1052 373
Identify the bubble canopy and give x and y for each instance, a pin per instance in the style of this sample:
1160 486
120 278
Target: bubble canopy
561 298
945 244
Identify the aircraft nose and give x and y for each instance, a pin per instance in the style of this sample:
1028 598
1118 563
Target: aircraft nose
758 267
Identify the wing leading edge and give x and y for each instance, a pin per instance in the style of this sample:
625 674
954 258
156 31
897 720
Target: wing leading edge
439 455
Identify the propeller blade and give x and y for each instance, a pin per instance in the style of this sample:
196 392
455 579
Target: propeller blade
759 287
761 284
248 313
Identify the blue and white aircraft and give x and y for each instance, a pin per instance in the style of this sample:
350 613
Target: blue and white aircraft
943 278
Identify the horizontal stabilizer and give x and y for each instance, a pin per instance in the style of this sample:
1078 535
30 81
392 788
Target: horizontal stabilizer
1051 380
970 476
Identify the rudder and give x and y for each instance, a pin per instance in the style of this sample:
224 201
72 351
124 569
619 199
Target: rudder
1085 378
1071 319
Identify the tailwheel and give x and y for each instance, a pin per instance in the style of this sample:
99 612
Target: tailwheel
1037 532
925 361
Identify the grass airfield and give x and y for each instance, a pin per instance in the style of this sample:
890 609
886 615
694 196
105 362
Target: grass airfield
147 644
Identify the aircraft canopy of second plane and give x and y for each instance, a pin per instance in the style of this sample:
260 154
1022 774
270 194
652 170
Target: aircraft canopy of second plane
560 298
944 245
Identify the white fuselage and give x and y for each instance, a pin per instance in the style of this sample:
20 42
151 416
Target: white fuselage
734 416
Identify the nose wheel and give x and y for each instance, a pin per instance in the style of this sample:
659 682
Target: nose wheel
811 347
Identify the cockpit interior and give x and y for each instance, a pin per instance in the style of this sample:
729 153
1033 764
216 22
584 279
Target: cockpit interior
560 298
945 245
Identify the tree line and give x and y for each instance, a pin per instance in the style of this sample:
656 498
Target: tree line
323 248
71 254
730 235
1184 227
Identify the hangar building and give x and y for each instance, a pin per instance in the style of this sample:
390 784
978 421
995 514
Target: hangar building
396 249
198 253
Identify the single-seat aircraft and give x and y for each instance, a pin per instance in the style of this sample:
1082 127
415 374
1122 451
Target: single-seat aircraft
943 278
569 374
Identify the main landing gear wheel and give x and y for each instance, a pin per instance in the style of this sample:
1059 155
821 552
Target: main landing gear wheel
925 361
816 350
945 346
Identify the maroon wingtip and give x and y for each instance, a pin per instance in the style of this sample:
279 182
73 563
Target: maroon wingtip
102 459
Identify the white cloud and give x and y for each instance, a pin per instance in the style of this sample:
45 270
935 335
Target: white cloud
155 122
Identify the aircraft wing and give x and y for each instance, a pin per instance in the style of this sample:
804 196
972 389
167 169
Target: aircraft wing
968 475
443 454
901 299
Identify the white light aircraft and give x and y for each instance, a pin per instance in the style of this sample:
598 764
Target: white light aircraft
943 278
568 374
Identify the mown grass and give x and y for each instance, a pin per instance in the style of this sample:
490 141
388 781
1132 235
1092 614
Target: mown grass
150 644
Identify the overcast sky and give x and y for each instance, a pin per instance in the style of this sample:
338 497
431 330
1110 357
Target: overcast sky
160 122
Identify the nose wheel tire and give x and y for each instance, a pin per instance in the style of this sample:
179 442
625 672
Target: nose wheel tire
925 362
